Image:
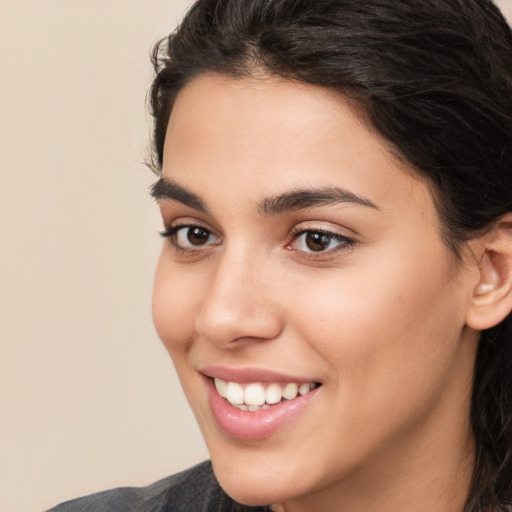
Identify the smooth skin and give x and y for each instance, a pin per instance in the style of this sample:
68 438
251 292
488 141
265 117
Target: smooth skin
363 297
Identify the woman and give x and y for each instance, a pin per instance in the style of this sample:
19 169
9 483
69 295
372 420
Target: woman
335 283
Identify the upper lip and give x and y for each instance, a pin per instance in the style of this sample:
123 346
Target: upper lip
249 374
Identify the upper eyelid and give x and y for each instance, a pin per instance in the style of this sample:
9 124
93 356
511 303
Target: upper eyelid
345 246
300 229
336 236
183 222
312 224
173 229
171 234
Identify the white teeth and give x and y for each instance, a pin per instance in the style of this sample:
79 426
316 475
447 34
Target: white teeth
273 394
255 397
235 393
221 386
254 394
290 391
304 388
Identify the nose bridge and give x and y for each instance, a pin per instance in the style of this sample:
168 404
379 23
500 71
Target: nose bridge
238 302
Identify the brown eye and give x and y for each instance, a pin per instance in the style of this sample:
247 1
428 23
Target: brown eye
191 238
197 235
317 241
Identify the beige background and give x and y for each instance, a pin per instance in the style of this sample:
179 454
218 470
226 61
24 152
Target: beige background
88 397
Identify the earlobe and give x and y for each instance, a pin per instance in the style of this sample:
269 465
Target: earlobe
492 296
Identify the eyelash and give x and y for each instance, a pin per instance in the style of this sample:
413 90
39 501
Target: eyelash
172 232
345 244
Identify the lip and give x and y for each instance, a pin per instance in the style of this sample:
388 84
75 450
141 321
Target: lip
253 426
249 374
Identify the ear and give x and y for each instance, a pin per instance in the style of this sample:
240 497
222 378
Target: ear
492 296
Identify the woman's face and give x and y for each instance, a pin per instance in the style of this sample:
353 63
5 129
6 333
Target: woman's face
301 252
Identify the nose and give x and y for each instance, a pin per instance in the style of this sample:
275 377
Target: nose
239 302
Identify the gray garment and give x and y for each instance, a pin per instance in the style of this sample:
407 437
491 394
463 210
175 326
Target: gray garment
193 490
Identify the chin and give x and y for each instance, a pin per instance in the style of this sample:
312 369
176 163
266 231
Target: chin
258 483
258 492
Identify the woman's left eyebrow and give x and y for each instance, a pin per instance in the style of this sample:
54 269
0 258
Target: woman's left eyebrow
309 198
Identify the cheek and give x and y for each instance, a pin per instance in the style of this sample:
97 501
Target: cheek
176 298
389 334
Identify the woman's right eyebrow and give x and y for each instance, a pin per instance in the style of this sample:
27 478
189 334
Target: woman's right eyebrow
166 189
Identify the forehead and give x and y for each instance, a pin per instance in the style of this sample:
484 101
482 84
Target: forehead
260 136
265 111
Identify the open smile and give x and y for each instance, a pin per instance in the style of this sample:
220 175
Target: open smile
258 396
253 410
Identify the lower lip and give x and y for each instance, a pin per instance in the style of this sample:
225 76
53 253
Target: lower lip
258 424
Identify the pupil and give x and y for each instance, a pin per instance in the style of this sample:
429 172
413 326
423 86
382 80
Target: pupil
317 241
197 236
